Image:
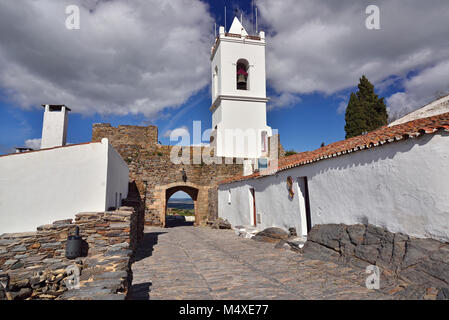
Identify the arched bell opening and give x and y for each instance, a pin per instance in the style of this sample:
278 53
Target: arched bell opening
242 74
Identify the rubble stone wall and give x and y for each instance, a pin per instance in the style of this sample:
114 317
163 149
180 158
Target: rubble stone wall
422 262
33 264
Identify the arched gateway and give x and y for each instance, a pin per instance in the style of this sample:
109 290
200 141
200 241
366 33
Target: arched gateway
191 191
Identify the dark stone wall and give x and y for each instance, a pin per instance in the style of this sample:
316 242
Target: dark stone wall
423 262
33 264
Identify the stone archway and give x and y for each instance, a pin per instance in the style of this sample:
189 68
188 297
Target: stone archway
199 195
191 191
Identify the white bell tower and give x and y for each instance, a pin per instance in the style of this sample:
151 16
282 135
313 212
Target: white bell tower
239 120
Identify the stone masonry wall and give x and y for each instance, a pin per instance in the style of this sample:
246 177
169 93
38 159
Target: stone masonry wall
155 174
33 264
421 262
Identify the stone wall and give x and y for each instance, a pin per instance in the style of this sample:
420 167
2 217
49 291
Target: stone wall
422 262
33 264
155 175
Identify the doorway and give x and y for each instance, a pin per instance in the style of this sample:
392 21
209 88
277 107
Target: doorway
252 206
180 206
304 205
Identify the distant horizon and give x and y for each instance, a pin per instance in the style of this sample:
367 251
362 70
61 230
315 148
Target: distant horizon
180 199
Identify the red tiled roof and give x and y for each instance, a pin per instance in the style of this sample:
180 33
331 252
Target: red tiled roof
372 139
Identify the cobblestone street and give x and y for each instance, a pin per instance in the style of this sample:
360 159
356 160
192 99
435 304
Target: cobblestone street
201 263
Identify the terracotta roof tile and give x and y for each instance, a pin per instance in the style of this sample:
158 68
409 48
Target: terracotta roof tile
372 139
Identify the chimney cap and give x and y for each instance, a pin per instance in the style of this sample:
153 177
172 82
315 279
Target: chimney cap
57 106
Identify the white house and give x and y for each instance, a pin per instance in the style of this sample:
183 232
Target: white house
41 186
395 177
239 122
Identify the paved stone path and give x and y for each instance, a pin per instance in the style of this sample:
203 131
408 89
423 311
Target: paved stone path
201 263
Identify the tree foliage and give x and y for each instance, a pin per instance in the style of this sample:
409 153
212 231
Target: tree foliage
365 111
290 153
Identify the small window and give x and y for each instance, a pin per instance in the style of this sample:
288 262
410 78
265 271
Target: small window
262 163
229 196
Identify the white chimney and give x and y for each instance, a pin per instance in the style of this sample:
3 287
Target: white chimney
54 128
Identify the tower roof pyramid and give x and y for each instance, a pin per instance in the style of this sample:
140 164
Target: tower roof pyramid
237 27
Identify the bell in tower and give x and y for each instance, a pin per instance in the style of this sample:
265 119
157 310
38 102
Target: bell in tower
242 75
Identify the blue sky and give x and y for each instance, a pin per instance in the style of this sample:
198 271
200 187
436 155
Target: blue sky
128 63
303 126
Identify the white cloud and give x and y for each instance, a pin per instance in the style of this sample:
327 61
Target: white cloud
145 55
323 46
178 132
420 89
128 57
342 106
283 100
33 143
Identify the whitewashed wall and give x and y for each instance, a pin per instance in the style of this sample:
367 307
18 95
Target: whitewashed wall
225 58
117 179
238 109
40 187
402 186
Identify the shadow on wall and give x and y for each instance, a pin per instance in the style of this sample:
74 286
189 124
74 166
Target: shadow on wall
146 246
374 154
356 159
84 248
135 200
141 291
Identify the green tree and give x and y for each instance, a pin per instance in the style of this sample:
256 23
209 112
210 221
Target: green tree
290 152
355 118
365 111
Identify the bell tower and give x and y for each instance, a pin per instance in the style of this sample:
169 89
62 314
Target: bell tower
239 120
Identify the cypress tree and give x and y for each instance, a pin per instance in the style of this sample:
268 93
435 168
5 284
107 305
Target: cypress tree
375 108
355 118
365 111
